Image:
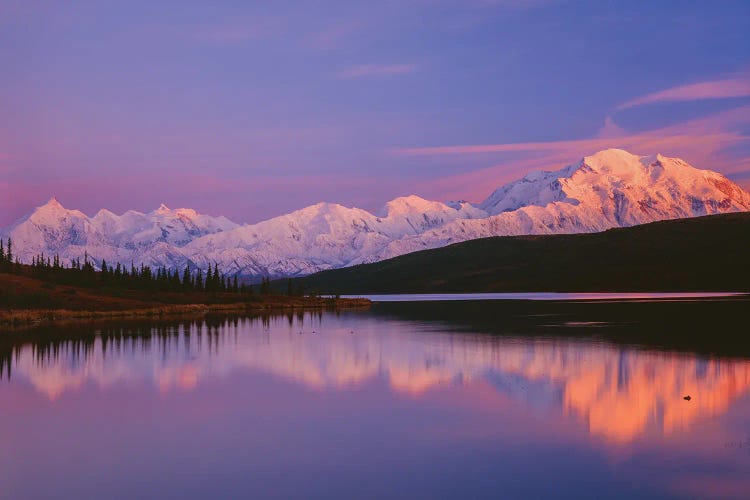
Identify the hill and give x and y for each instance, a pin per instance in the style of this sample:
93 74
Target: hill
699 254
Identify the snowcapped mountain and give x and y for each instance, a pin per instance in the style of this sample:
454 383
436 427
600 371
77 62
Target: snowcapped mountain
152 238
612 188
177 227
322 236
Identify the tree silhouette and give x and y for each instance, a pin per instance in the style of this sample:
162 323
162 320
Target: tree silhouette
186 279
108 276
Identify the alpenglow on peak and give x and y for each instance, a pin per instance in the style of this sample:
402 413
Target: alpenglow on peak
611 188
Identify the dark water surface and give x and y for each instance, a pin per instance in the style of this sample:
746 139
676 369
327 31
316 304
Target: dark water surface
458 399
443 297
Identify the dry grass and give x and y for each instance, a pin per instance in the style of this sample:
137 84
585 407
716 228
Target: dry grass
35 316
13 318
62 303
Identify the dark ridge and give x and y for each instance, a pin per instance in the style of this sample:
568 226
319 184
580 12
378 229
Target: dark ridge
697 254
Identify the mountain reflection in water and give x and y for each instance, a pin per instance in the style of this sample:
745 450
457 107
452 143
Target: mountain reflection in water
317 390
618 391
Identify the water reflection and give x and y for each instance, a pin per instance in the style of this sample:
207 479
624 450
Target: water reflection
617 392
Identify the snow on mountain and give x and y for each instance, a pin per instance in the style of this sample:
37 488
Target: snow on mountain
538 188
152 238
52 229
612 188
177 227
321 236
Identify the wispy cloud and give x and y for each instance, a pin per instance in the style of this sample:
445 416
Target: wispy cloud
332 36
512 4
742 175
227 35
363 70
715 89
704 142
702 129
592 144
239 31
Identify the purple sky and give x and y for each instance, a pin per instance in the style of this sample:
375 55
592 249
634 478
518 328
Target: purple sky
253 109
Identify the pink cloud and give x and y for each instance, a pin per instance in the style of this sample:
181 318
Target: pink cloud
714 128
716 89
593 144
703 142
331 36
241 30
376 70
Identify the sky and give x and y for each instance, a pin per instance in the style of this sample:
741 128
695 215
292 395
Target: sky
254 109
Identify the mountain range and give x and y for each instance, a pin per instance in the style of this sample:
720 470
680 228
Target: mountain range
695 254
612 188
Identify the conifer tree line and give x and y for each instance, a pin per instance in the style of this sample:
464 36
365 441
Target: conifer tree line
7 259
83 273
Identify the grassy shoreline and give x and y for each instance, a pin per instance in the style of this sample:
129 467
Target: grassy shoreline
28 301
15 318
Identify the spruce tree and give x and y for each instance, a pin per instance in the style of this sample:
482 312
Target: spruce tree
186 278
199 280
216 280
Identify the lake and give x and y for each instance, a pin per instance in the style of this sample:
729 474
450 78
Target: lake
443 297
458 399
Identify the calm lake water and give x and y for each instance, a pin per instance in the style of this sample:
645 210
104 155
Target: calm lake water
442 297
459 399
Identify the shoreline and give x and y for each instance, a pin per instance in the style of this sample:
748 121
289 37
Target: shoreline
20 318
547 296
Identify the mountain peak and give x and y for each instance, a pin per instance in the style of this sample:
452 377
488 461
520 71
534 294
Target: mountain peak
103 212
622 164
610 188
611 157
53 203
52 207
407 204
51 215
